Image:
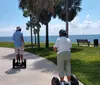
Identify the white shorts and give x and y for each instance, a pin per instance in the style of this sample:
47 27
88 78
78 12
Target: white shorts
19 50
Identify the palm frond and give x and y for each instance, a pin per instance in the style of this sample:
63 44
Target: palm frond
23 4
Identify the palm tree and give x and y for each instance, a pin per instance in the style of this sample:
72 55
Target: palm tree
28 24
39 8
33 24
35 32
45 18
69 11
38 35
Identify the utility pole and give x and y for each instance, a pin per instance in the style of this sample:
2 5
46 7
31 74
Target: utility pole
66 7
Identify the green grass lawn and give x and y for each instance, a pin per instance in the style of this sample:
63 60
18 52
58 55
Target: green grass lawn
85 61
6 44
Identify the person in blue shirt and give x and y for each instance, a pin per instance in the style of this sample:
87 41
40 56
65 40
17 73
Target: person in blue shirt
18 43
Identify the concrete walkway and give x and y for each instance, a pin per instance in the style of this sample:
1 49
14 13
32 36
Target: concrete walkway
39 70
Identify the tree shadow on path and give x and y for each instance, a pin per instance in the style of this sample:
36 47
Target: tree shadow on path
44 65
26 56
12 71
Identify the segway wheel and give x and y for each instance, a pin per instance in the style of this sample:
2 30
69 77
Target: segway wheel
74 80
55 81
13 64
24 63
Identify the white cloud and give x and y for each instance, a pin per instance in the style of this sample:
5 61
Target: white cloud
75 28
53 28
88 16
8 31
86 27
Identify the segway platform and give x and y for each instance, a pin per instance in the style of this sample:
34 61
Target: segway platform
74 81
18 63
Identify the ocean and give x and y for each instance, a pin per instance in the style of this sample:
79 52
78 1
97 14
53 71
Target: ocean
53 38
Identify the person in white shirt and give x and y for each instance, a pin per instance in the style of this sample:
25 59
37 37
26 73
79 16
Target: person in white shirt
63 48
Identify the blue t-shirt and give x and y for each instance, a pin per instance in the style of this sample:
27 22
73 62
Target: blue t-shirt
17 38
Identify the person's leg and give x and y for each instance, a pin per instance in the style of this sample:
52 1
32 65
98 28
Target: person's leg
67 57
16 53
21 53
60 65
68 69
22 57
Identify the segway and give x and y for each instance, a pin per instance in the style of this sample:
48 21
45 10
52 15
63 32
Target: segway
18 63
74 81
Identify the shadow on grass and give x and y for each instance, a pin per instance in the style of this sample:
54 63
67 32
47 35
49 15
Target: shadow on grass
44 52
73 50
53 59
88 72
29 45
48 51
41 51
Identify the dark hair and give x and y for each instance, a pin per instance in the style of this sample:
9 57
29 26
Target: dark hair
18 28
62 32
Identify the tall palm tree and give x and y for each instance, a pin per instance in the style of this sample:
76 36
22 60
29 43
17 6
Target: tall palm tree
28 24
54 7
35 32
67 13
39 8
38 5
45 18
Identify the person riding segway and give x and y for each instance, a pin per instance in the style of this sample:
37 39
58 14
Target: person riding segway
63 47
19 47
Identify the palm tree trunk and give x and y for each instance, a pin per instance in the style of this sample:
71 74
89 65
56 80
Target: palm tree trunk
38 39
31 38
67 16
47 36
31 32
35 37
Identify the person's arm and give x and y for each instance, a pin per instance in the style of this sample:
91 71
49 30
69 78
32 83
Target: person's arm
55 47
22 38
70 44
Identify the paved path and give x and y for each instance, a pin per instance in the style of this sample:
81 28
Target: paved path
39 70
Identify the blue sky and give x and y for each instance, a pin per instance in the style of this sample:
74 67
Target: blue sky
90 7
10 15
86 22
